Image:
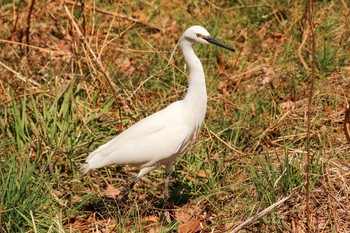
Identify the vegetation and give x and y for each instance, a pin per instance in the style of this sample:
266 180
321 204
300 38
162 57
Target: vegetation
59 103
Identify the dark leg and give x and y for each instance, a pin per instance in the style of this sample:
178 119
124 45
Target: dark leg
130 186
142 172
167 181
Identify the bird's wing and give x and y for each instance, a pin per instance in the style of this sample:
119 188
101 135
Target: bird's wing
154 123
155 148
153 138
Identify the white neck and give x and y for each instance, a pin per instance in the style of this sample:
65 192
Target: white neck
196 97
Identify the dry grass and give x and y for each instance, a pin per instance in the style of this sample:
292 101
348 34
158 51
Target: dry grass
65 91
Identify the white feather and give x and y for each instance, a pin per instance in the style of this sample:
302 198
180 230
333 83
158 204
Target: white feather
160 138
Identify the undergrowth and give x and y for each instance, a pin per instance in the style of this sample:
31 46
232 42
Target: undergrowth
57 107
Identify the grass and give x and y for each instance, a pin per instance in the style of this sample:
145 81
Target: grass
57 107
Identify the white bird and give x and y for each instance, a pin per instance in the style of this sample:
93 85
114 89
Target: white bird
160 138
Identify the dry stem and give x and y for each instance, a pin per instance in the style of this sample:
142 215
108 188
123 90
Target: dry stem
309 12
260 214
95 60
347 123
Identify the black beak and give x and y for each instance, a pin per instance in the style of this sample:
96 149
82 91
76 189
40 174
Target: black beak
218 43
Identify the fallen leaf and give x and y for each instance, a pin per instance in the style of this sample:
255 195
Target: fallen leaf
111 191
76 198
193 225
203 173
153 219
288 105
143 196
167 217
172 28
222 66
140 16
188 223
77 224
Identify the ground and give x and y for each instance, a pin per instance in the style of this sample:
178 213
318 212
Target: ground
75 74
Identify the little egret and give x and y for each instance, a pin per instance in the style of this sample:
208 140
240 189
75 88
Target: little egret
159 138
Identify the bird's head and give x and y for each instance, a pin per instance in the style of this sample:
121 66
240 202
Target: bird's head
198 34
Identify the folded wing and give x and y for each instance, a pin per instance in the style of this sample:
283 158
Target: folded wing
152 140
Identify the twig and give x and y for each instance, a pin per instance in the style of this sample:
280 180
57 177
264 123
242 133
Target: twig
300 54
233 7
270 128
159 72
30 11
260 214
309 12
18 75
0 214
225 143
97 62
45 50
104 44
117 15
16 14
347 123
345 5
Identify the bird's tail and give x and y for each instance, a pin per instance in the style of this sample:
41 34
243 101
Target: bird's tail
84 168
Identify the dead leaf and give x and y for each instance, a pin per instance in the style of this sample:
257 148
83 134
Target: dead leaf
141 16
153 219
111 191
172 28
143 196
222 66
197 11
288 105
76 198
167 217
203 173
193 225
188 223
77 224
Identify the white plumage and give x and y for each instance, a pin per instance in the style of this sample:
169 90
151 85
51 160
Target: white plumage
159 138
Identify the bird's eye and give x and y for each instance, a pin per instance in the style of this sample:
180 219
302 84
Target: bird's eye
199 35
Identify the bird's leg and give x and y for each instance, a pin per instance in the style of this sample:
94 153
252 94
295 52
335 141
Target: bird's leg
167 180
142 172
130 186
